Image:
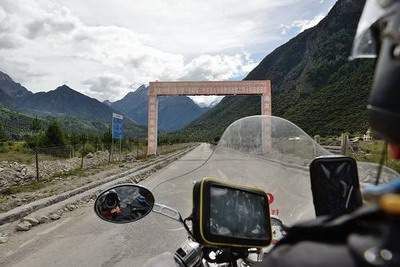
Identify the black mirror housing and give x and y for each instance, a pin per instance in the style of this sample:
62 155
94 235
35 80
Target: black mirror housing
124 203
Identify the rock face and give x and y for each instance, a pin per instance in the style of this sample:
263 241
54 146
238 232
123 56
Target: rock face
54 216
3 238
71 207
32 220
24 226
43 219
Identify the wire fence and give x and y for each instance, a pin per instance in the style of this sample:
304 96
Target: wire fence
22 162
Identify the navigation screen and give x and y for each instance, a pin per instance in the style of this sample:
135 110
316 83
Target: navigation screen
238 214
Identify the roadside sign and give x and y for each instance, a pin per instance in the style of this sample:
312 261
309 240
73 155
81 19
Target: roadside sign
117 126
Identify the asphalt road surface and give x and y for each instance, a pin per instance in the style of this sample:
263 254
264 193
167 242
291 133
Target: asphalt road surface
82 239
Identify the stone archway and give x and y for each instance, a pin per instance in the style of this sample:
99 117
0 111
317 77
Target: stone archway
225 88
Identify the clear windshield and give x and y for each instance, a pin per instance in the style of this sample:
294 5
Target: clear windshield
270 153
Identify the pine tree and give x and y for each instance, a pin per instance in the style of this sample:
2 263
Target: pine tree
3 136
55 135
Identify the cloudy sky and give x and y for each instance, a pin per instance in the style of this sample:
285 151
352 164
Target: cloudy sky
106 48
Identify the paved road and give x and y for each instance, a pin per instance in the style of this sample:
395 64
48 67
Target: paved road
81 239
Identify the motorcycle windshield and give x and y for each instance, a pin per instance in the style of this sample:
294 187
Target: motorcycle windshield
267 152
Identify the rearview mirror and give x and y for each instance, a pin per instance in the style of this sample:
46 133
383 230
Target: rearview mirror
124 203
334 185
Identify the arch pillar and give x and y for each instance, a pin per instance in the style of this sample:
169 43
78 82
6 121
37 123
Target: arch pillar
225 88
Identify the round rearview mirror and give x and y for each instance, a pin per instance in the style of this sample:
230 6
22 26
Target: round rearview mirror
124 203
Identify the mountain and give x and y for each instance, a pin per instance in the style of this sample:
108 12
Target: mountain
5 99
73 108
17 125
75 111
174 112
313 83
65 101
11 88
107 102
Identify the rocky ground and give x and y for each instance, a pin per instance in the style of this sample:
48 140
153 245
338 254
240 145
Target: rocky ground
18 183
14 173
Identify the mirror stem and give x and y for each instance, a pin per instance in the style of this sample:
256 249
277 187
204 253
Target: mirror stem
168 212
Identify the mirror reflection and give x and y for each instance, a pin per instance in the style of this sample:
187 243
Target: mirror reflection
124 203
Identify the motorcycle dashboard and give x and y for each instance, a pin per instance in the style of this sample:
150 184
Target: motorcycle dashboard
230 215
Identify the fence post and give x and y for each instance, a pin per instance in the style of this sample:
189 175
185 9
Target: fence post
344 143
37 163
82 154
120 149
112 150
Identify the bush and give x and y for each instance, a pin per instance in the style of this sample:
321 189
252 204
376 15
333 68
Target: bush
3 136
107 139
55 135
3 147
89 148
38 139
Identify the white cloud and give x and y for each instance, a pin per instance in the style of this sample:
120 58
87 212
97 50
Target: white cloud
218 67
9 41
45 43
301 25
60 22
207 101
105 85
306 24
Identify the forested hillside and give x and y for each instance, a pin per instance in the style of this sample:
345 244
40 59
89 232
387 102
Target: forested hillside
314 84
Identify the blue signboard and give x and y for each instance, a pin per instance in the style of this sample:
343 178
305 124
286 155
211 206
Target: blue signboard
117 126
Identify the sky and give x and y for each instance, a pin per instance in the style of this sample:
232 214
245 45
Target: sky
105 48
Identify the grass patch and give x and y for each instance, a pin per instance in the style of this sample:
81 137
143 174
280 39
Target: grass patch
372 152
31 187
24 157
2 198
20 152
75 172
12 156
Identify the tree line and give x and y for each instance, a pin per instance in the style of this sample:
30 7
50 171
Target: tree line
52 137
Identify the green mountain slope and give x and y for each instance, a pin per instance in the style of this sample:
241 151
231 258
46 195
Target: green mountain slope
75 111
17 125
314 85
65 101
